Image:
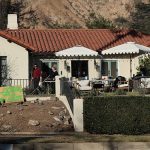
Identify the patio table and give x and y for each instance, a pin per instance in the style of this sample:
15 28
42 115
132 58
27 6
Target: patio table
102 84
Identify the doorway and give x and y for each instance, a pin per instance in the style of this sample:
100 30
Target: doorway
79 69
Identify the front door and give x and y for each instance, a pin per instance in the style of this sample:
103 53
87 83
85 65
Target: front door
79 69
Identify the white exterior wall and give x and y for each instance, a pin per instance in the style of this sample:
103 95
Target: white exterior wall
62 68
93 71
17 59
135 64
124 67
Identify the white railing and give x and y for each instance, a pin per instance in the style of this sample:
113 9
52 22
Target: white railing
24 83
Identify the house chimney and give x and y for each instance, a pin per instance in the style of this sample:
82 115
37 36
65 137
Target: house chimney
12 21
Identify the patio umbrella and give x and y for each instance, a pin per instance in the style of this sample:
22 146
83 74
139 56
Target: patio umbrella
76 51
129 48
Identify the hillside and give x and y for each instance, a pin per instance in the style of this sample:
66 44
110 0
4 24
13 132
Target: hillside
76 13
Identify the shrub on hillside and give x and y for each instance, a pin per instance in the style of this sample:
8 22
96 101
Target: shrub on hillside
98 22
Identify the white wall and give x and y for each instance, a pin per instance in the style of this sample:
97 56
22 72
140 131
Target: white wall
124 67
135 64
17 59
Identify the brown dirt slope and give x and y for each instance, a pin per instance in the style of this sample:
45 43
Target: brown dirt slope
40 13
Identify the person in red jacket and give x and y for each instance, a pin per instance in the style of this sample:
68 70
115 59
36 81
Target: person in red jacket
36 74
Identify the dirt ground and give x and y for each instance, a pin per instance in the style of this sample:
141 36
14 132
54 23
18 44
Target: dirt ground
15 117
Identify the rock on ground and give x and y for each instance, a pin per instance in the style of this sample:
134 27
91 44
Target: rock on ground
68 120
1 115
57 119
62 113
6 127
67 123
50 113
55 124
8 112
33 122
56 107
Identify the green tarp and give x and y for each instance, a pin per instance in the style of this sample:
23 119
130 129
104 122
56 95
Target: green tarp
11 94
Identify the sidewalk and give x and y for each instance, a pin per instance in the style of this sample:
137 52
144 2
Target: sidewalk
80 146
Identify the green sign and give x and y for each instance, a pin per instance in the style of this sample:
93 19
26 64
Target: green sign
11 94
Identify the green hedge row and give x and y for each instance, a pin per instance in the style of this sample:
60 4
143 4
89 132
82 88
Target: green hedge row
117 115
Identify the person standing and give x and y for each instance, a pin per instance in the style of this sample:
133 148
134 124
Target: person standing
53 73
36 74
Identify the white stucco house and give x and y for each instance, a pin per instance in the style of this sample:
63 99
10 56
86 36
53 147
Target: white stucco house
127 56
76 52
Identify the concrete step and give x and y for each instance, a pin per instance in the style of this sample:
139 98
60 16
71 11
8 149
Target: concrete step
41 98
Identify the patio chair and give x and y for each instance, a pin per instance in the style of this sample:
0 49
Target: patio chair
84 87
120 83
123 86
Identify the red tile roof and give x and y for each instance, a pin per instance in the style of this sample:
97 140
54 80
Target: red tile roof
52 40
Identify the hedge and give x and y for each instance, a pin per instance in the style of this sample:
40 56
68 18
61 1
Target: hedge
117 115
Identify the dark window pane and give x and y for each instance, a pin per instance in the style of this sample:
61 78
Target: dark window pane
79 69
104 68
114 69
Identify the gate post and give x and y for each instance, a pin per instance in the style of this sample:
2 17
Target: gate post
57 86
78 115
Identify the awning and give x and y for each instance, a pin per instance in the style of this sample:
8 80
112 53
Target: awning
76 51
127 48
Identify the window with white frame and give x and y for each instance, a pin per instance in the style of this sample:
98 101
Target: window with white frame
110 68
50 63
